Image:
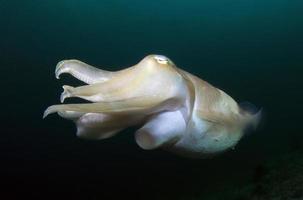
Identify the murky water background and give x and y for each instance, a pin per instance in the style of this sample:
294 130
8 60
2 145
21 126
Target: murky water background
250 49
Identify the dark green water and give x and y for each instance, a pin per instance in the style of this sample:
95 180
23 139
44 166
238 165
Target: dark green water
251 49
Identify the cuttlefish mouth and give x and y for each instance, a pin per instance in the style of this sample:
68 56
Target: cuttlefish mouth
177 110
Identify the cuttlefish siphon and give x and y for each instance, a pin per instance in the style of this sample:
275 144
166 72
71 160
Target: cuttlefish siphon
178 111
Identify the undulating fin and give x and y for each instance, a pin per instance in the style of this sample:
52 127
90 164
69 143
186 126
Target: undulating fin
248 107
256 118
252 115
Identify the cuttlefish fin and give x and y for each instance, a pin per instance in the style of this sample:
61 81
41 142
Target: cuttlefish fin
137 105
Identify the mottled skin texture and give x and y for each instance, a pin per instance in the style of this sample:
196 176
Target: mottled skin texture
178 111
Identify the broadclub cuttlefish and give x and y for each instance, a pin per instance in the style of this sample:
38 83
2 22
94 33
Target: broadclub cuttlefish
178 111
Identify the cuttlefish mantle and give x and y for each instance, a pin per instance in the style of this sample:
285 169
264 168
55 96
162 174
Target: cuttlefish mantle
178 111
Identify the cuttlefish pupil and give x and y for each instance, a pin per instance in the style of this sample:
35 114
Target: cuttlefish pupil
178 111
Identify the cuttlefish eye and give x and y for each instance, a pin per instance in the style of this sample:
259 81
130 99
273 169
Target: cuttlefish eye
161 59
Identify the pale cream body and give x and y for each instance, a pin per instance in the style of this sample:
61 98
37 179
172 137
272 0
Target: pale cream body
179 111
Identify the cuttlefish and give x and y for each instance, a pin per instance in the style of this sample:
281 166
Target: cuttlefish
178 111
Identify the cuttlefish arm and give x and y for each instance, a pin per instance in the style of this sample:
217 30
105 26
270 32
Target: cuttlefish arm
82 71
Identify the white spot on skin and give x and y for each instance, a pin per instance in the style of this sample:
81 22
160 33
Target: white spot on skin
161 59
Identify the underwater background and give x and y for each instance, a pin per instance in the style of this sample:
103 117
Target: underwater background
252 50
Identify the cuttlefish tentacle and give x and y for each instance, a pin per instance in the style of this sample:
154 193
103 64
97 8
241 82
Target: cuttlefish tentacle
82 71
